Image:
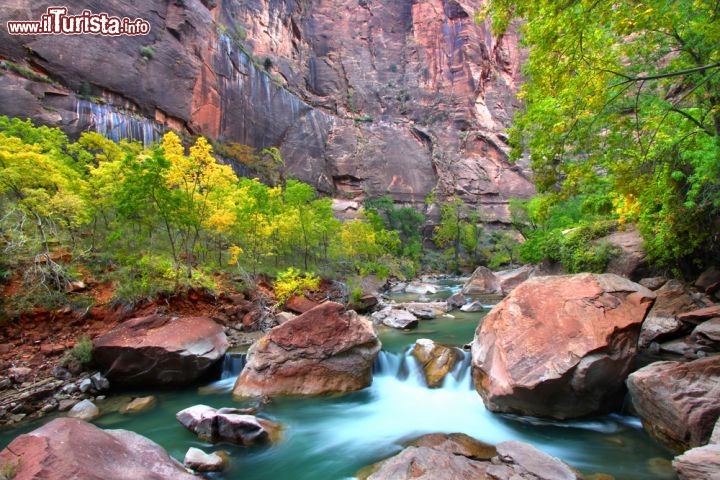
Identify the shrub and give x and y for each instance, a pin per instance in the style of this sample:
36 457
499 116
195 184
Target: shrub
147 52
81 352
291 282
576 249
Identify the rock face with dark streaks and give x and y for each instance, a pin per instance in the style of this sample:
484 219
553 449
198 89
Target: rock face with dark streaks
395 97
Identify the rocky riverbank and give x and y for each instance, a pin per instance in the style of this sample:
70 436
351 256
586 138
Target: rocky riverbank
42 351
559 346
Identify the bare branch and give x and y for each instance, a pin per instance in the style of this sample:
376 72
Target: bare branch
678 73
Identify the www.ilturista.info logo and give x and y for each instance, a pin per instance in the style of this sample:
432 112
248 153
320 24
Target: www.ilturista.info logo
57 21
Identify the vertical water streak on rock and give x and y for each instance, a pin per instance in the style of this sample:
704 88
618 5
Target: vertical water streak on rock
257 111
116 124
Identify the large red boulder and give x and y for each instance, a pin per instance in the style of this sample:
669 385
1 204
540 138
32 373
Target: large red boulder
69 448
560 346
160 350
678 402
324 350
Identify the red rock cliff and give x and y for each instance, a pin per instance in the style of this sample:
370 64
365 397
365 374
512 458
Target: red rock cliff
363 97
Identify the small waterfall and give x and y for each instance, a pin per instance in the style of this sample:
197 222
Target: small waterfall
404 367
233 363
116 124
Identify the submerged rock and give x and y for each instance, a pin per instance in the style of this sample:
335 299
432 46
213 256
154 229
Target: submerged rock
69 448
84 410
560 346
321 351
160 351
678 402
140 404
228 425
436 360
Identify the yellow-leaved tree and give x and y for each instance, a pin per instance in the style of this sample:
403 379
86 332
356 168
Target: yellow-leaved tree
39 184
204 190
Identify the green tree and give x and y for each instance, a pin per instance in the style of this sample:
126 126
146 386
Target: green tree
203 190
42 184
623 101
306 220
257 207
459 233
407 221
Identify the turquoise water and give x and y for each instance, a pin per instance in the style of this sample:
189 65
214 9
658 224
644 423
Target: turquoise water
333 437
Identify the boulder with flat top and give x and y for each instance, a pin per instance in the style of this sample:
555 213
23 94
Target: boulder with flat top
160 350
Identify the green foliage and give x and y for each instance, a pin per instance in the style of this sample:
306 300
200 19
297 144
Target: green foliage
147 52
406 221
623 105
565 232
82 351
293 282
459 234
25 72
143 277
158 218
501 249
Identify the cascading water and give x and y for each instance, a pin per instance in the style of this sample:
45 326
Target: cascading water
116 124
405 368
232 365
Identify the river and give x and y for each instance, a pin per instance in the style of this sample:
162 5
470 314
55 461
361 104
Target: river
333 437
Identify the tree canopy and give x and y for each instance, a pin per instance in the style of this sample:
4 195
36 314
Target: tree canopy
154 218
622 108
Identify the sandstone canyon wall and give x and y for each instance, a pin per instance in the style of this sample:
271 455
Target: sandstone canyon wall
363 97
